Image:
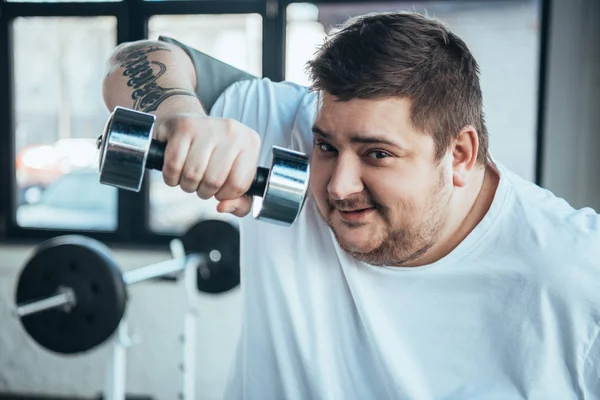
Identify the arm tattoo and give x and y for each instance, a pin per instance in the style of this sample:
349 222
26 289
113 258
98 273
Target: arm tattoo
147 95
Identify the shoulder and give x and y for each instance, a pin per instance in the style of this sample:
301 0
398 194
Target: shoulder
551 215
281 112
264 90
558 241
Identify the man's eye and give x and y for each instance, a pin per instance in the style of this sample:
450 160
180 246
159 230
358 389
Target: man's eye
378 154
324 147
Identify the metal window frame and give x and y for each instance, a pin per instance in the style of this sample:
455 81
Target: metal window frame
132 24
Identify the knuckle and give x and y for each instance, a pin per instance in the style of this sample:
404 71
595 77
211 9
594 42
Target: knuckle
171 168
212 183
185 125
192 175
230 125
237 188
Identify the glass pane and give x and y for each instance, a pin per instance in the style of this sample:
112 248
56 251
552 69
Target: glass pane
58 70
235 39
503 36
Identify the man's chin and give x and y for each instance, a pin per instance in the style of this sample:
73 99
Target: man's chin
355 243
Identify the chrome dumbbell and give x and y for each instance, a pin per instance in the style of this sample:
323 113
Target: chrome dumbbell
127 150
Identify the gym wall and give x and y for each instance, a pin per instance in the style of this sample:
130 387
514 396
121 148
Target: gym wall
570 166
154 313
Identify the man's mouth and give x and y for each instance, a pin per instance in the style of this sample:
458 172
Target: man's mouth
356 214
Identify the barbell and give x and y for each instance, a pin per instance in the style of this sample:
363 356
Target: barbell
127 150
71 294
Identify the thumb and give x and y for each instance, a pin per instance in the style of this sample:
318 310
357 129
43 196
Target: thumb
239 207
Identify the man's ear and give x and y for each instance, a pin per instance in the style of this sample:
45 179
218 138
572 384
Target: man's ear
464 155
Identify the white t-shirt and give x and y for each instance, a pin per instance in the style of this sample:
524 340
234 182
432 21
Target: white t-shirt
512 313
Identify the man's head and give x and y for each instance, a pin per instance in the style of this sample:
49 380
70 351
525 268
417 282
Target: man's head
399 131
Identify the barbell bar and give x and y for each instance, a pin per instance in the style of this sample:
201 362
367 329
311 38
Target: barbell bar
67 299
71 295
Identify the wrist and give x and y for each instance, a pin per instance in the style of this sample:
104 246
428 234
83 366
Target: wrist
178 104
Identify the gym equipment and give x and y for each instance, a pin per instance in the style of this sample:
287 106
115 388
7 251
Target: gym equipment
71 295
127 149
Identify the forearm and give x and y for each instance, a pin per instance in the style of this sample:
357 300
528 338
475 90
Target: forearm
151 76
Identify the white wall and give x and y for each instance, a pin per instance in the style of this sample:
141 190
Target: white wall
571 169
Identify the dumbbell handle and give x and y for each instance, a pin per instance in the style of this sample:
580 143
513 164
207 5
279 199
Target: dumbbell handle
156 157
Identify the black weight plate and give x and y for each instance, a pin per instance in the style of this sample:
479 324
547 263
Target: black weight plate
209 235
86 266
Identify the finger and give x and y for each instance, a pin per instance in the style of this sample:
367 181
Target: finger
217 170
239 207
240 177
199 154
176 153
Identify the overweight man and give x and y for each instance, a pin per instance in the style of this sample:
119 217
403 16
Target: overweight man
420 267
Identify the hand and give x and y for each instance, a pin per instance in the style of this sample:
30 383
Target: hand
214 157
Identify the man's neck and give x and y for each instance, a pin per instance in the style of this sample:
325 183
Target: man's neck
468 211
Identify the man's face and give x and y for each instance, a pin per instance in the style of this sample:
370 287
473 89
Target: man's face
376 181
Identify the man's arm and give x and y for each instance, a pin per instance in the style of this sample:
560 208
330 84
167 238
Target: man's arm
214 157
213 76
146 75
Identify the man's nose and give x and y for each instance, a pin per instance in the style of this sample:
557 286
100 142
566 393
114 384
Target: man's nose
345 180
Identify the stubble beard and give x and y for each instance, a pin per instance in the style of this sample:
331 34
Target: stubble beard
400 245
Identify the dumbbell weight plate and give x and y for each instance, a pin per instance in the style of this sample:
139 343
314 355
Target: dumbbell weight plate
86 266
222 271
124 148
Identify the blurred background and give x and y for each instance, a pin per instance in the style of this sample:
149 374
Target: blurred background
58 64
540 77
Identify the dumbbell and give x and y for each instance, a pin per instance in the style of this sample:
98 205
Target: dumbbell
71 295
127 150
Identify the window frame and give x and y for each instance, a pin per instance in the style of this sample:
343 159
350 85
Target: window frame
132 24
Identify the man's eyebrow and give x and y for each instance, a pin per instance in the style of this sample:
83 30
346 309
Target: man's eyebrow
370 138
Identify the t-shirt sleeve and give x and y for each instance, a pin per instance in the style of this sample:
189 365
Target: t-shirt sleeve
269 108
212 76
591 371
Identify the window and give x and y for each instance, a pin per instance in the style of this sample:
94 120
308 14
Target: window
503 36
58 66
52 60
234 39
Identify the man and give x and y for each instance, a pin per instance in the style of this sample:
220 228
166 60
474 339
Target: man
420 268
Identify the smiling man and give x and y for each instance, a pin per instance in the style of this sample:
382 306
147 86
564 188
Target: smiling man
384 191
420 268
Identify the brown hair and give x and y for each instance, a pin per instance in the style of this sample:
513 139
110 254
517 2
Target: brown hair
408 55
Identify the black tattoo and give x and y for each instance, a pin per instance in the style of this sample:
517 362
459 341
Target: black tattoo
143 74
